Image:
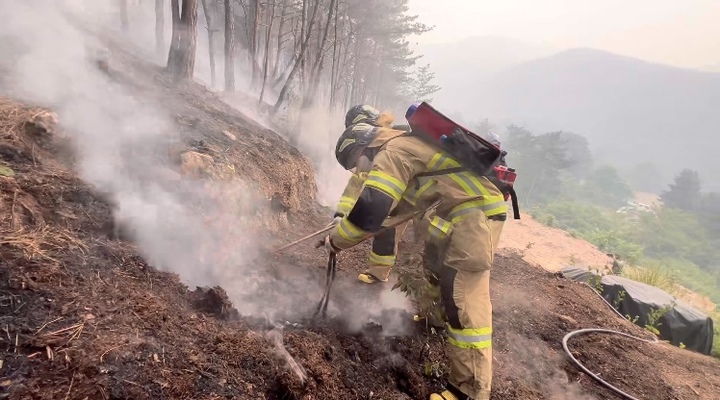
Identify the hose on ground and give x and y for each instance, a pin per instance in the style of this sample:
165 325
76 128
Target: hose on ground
587 371
606 331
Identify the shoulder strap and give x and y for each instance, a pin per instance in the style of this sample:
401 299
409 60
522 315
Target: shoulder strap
441 172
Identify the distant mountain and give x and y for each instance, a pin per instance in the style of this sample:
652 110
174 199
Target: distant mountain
630 110
711 68
455 63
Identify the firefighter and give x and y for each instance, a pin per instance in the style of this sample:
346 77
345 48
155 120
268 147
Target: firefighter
368 141
465 229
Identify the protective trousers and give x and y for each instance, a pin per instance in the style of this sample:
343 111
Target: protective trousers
465 290
382 256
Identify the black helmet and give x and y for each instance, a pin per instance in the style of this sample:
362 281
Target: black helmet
361 113
352 142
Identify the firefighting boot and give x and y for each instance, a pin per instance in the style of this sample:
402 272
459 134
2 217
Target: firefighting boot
447 395
450 393
375 273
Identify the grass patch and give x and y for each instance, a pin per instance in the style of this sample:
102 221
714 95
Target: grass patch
654 276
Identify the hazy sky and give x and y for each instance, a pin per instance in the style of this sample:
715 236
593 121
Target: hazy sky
678 32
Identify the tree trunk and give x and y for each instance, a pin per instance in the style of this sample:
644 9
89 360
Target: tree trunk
181 59
317 68
278 49
304 47
229 47
267 51
333 87
301 57
159 26
124 20
211 43
254 16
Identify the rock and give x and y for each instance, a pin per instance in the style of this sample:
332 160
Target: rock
569 320
193 163
278 203
6 171
230 135
45 121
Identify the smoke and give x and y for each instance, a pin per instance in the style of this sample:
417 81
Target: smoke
180 225
535 365
199 230
275 337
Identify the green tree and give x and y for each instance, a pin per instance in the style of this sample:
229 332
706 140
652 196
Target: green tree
605 187
539 160
578 153
675 233
684 193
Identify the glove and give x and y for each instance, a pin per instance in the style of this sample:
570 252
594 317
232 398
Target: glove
336 219
327 244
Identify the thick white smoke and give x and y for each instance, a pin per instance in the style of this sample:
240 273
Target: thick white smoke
181 226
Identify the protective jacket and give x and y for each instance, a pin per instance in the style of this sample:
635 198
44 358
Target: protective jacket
466 226
384 247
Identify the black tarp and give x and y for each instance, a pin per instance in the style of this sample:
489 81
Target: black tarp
682 323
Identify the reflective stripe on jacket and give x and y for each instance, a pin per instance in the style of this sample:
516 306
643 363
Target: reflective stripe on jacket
393 178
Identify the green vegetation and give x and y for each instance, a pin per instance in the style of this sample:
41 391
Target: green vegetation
659 277
677 243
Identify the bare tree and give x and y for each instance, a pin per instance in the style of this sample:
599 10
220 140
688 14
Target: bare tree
159 26
208 11
253 23
270 19
124 20
301 56
181 58
319 59
229 47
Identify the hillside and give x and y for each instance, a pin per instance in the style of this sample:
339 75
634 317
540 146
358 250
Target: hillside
550 248
630 110
475 57
554 249
88 313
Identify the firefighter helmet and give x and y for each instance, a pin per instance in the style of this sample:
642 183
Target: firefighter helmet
352 142
361 113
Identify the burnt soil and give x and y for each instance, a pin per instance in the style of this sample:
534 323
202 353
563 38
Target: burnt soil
83 315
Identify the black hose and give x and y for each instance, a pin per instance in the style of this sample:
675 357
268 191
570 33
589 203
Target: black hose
587 371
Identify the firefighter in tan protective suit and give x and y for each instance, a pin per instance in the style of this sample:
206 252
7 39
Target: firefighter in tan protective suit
464 229
384 246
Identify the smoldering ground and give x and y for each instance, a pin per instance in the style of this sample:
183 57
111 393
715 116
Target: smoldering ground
200 230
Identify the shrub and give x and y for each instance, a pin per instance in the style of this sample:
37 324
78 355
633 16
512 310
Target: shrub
654 276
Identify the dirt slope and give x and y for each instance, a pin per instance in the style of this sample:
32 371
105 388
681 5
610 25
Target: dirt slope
554 249
84 316
551 248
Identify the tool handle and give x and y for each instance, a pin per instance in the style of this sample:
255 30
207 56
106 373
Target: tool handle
393 225
304 238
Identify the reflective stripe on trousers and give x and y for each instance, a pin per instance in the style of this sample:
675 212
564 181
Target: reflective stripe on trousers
472 338
377 259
